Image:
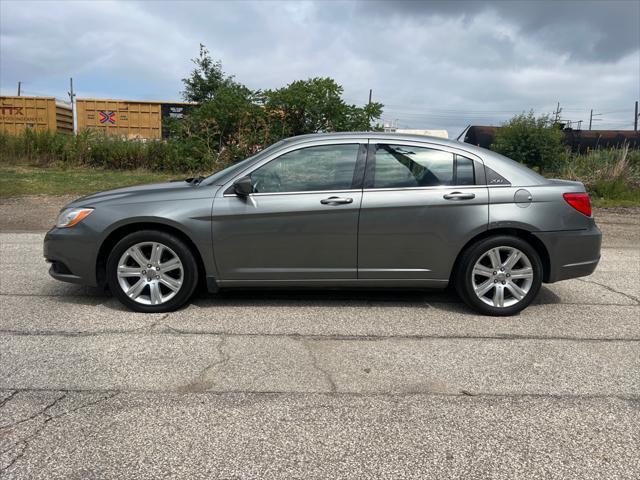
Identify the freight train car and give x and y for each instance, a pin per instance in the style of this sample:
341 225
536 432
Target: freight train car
480 135
584 140
128 118
18 114
579 141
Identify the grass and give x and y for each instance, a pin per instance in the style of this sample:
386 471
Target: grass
614 202
611 176
94 150
18 180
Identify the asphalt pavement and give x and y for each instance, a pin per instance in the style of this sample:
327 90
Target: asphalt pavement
311 384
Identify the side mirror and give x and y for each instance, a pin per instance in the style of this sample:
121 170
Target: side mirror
243 186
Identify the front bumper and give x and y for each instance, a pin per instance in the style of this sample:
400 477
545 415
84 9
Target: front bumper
572 254
72 255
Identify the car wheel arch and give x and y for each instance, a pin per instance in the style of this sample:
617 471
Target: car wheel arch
121 231
526 235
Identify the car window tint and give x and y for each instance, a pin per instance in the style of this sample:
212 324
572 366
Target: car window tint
328 167
398 166
464 171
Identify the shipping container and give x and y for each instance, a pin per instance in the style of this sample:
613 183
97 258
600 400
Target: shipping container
127 118
38 113
174 110
120 117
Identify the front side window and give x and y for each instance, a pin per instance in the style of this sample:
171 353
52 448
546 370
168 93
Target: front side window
327 167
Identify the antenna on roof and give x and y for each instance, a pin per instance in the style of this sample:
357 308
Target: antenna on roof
463 132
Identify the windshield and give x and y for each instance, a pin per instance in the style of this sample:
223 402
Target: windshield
221 177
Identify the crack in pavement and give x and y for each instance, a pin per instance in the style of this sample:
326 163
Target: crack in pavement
585 396
611 289
169 331
34 415
8 398
150 328
24 442
204 381
314 361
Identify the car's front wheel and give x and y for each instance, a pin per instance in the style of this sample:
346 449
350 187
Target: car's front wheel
152 271
499 275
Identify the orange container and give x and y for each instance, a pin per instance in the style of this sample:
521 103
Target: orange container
38 113
124 118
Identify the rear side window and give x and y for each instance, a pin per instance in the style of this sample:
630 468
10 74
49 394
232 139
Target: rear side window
400 166
404 166
464 173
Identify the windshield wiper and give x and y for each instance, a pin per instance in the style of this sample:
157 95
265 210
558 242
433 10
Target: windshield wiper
194 180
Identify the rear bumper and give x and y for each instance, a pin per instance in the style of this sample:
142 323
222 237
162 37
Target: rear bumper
572 254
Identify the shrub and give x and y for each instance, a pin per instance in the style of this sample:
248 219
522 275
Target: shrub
536 142
96 150
605 164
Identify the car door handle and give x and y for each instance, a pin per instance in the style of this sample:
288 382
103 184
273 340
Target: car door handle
335 200
459 196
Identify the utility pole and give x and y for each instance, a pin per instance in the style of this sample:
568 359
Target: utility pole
20 85
591 119
72 96
635 119
557 114
369 105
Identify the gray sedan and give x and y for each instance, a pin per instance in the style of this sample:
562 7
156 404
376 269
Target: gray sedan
372 210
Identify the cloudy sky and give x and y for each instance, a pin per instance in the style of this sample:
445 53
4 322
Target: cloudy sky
436 64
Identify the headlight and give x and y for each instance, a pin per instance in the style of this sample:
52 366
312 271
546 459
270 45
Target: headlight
72 216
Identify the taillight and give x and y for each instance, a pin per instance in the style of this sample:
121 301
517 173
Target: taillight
579 201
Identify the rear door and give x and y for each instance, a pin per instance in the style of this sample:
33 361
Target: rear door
421 203
302 221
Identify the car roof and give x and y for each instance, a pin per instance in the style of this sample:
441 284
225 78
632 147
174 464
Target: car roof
358 135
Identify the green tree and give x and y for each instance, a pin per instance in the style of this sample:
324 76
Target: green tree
316 105
206 78
232 121
536 142
227 123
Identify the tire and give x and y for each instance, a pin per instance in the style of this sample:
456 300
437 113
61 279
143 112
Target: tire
166 286
479 269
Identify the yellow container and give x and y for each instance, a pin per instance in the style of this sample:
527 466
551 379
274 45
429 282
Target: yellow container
38 113
128 119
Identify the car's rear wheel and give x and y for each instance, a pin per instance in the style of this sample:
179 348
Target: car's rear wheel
152 271
499 275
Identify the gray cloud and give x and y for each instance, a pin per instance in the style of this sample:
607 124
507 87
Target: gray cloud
589 29
434 65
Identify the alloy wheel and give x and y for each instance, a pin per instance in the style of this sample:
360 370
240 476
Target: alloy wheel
502 276
150 273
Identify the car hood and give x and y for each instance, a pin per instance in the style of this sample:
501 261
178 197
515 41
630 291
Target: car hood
131 193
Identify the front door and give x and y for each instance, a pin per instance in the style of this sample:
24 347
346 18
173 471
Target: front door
419 208
301 222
